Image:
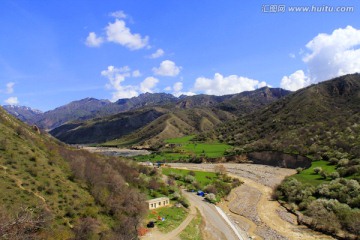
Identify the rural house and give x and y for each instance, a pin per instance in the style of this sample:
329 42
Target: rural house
158 202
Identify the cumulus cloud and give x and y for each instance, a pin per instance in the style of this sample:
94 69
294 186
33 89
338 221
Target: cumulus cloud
12 101
148 84
118 14
295 81
220 85
93 41
332 55
157 54
117 32
117 77
9 87
167 68
327 56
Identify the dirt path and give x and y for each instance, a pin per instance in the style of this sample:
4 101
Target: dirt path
19 183
252 201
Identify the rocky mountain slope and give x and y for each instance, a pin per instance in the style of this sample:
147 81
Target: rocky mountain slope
25 114
99 130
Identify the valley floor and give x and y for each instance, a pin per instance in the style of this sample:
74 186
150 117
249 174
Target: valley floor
250 206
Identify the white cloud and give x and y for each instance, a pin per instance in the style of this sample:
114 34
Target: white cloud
167 68
136 73
117 77
295 81
93 41
12 101
148 84
168 88
327 56
291 55
117 32
9 87
178 86
334 54
232 84
118 14
157 54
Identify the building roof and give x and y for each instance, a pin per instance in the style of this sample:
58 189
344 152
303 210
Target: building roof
157 199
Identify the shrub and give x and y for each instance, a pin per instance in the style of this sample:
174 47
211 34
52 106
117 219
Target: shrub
323 174
334 175
189 179
211 197
317 170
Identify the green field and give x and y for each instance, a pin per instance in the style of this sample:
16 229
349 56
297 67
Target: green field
308 175
174 216
183 149
203 178
185 139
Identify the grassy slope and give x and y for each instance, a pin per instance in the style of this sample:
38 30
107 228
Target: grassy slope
35 177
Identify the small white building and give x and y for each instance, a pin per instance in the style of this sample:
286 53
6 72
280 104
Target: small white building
158 202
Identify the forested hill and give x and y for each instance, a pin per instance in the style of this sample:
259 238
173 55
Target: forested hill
321 120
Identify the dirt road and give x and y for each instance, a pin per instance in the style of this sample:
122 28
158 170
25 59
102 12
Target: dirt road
250 205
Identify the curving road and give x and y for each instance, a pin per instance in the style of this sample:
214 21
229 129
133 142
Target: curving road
252 201
217 225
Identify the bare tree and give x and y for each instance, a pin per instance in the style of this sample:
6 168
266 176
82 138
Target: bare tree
25 224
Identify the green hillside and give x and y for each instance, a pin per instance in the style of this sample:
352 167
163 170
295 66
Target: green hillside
321 122
177 123
61 193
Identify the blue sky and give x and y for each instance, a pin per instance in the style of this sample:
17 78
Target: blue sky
54 52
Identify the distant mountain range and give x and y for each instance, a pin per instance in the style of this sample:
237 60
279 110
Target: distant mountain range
158 116
25 114
95 121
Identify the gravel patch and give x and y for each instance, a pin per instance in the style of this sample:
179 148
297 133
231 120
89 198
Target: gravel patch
268 233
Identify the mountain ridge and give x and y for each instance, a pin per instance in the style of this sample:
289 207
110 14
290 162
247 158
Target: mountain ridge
209 110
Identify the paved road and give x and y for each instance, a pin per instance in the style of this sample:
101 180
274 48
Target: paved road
263 178
216 227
